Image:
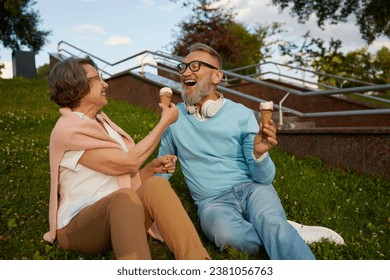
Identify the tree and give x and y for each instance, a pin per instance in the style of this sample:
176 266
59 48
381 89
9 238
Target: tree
382 65
216 27
2 66
19 25
43 71
372 16
207 25
326 57
364 66
314 54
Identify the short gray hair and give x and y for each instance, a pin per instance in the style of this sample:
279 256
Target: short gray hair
208 49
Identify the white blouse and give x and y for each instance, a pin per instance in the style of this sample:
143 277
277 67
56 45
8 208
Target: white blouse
80 186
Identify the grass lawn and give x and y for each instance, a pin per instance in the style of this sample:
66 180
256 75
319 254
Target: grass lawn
355 206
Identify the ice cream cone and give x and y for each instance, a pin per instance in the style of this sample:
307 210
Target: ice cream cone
166 96
266 109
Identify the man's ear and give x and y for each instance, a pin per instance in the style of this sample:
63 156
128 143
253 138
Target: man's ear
217 77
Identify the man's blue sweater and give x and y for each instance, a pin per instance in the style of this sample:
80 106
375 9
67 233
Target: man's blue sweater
217 153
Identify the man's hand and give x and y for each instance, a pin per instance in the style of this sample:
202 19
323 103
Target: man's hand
261 145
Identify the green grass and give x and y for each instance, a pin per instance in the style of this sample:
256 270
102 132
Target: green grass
355 206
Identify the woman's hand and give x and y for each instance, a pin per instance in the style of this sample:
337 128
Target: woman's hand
164 164
261 145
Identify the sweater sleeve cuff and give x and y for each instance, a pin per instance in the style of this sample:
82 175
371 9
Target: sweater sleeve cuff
260 159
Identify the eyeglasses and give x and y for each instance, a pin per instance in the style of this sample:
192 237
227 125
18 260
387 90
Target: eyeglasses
194 66
98 76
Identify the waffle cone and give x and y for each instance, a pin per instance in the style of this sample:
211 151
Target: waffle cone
166 100
266 116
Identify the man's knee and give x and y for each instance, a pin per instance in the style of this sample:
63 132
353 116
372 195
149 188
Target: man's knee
224 238
215 229
225 233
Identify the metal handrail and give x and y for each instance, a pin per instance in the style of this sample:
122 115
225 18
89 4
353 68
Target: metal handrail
317 73
289 110
310 93
337 77
156 54
231 73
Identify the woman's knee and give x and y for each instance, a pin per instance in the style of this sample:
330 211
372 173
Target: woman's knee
155 186
125 200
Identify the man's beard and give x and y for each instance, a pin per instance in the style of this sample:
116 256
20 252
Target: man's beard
202 89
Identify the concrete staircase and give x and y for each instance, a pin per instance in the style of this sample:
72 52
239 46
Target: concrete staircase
289 122
293 122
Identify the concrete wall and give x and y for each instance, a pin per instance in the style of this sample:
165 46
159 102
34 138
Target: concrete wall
365 151
134 89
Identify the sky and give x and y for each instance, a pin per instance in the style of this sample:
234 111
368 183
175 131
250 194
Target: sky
116 29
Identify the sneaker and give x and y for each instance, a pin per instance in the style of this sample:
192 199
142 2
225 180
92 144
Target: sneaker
313 234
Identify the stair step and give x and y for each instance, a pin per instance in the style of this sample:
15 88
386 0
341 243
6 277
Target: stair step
298 125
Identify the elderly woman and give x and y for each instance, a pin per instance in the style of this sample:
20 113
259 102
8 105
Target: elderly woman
100 198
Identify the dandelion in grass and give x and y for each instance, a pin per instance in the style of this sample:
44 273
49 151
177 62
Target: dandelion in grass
380 254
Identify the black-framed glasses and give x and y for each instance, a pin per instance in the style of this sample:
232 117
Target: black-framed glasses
194 66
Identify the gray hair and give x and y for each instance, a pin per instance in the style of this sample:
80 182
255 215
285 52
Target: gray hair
209 50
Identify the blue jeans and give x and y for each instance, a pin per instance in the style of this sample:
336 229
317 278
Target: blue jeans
250 216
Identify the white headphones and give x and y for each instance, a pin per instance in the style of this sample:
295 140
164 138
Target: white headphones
210 108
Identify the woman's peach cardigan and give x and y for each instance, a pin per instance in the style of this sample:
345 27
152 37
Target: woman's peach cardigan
73 133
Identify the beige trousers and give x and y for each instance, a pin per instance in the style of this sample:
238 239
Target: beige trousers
119 222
